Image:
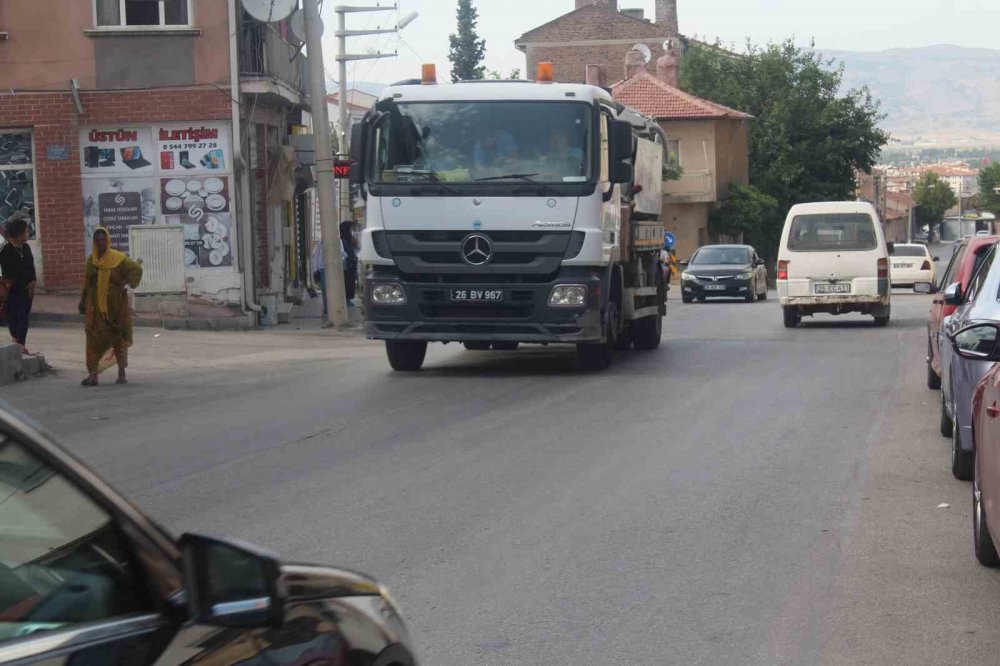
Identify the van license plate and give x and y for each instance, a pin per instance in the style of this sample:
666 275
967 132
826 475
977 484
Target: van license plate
477 295
832 289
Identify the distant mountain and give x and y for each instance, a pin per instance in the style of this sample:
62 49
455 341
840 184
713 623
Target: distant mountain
933 95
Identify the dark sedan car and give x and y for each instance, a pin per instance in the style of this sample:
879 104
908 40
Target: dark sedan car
729 271
86 579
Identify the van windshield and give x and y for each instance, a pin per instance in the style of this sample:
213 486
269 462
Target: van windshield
831 232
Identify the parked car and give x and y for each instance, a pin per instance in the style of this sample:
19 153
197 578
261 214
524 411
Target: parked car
86 578
834 259
921 237
965 259
724 270
912 263
981 342
961 373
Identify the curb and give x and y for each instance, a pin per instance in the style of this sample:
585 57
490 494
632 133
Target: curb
189 324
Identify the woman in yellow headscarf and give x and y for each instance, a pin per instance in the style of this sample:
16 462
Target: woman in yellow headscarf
104 301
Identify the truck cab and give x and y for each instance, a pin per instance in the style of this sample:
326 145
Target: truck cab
495 216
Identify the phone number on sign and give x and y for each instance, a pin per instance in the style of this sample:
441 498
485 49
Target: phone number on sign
189 146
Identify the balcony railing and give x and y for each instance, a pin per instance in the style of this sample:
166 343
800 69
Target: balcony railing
264 54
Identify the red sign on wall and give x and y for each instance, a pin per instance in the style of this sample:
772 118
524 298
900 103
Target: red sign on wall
342 168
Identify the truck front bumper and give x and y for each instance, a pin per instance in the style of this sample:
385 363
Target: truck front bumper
524 314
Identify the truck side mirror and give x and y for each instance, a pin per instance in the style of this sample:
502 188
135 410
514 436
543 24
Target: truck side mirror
358 136
619 141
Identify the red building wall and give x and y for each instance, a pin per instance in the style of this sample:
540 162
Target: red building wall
54 120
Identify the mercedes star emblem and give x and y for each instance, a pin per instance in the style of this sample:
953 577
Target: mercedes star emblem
477 250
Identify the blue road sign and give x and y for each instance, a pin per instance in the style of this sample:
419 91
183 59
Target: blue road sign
668 240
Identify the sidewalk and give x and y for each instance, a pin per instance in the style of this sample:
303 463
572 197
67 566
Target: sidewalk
59 308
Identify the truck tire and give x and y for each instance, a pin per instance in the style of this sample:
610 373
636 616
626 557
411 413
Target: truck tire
476 345
646 332
791 317
594 356
406 355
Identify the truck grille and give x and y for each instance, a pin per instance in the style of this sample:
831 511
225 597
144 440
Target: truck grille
535 253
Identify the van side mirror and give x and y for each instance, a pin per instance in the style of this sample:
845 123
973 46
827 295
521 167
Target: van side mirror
925 288
953 294
980 342
231 584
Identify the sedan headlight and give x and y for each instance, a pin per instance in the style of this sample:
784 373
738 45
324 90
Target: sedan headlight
388 293
688 277
568 296
745 276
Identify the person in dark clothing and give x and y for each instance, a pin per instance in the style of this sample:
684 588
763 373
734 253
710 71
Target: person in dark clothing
18 268
350 261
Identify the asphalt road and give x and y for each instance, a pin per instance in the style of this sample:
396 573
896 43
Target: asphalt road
746 494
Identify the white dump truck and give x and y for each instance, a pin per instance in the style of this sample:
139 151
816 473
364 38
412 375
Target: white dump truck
510 212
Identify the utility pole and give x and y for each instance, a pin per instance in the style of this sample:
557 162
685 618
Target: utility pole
343 57
333 264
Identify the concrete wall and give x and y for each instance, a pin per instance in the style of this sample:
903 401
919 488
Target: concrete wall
732 155
689 224
697 154
48 46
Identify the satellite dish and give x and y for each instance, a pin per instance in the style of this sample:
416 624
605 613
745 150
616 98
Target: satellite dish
647 55
297 24
269 11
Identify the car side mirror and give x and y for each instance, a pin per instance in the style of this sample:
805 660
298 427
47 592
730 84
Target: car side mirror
891 247
231 584
759 262
925 288
685 263
979 342
953 294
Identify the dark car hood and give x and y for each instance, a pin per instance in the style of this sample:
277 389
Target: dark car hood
718 269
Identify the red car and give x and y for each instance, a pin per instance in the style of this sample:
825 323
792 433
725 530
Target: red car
968 254
982 341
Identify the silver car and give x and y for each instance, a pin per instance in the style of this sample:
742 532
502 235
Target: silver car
959 376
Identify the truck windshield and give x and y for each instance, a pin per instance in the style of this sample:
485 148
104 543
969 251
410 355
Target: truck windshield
832 231
465 142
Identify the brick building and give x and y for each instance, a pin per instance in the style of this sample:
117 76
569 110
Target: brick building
122 113
596 33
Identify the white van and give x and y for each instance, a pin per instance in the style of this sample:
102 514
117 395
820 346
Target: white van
833 258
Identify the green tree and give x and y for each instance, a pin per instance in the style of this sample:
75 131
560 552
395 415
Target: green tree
495 75
808 137
933 196
467 49
750 212
989 182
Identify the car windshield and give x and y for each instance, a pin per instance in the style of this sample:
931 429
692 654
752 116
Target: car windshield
464 142
832 232
721 255
910 251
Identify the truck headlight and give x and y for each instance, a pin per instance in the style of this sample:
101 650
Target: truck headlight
388 293
568 296
687 277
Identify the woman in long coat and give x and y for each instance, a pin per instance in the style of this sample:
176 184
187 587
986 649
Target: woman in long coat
104 301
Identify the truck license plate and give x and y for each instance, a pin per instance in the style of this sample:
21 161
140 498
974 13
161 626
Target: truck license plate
832 289
477 295
715 287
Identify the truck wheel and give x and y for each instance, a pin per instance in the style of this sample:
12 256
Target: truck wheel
475 345
505 346
647 332
626 337
594 356
405 355
791 317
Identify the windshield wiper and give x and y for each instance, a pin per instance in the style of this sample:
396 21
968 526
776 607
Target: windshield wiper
526 177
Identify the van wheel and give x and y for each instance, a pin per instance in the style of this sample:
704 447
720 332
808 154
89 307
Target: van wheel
986 552
405 355
946 423
791 316
933 378
476 345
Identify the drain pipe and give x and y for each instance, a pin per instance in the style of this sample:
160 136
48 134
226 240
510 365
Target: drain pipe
242 165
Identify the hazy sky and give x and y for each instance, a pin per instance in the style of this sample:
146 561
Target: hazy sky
868 25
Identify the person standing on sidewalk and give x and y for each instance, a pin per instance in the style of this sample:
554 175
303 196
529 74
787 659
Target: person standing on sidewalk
349 253
104 301
18 267
319 274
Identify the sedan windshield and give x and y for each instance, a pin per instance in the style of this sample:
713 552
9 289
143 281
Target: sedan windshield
736 256
463 142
